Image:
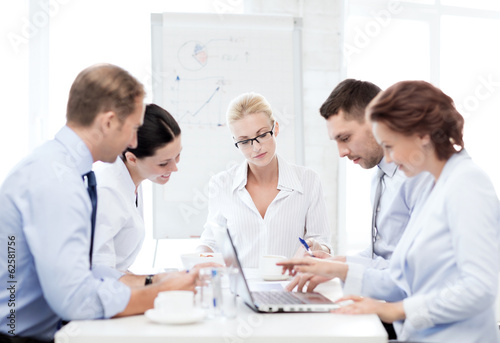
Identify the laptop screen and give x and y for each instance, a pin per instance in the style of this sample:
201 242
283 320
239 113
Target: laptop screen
238 283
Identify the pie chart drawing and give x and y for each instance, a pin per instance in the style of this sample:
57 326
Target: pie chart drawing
193 55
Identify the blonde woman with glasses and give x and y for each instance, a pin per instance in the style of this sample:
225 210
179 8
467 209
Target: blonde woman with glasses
265 202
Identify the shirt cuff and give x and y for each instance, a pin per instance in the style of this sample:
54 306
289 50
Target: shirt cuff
114 296
321 242
210 243
364 261
326 244
103 259
417 315
101 272
353 283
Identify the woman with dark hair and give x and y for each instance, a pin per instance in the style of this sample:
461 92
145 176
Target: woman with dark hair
442 280
120 225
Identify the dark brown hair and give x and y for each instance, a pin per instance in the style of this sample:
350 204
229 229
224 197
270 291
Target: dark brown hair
352 97
159 129
102 88
410 107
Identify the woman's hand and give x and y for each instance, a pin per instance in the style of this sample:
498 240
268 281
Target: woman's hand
327 268
315 245
316 248
387 312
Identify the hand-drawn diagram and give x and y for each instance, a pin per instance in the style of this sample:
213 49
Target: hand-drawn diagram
202 62
210 90
197 92
193 55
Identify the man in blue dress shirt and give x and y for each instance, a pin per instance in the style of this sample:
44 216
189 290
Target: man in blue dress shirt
393 194
45 217
396 196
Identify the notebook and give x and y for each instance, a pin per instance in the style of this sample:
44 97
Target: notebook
270 301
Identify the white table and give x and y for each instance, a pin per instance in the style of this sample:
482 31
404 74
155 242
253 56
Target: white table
247 327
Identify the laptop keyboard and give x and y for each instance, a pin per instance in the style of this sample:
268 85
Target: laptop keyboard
276 298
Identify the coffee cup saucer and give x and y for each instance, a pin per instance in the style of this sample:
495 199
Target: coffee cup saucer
162 318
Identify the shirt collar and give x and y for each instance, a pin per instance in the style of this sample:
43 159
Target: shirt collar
388 168
452 161
128 183
79 152
287 177
240 177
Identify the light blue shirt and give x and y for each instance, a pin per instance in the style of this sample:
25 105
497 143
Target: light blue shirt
45 210
399 196
446 265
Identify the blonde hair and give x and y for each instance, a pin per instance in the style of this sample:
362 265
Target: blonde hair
248 103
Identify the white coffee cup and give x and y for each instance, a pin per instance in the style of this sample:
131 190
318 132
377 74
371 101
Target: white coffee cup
268 269
175 303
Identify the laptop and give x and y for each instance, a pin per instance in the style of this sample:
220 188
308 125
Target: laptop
270 301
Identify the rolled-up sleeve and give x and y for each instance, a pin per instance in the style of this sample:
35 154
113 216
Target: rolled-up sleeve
215 220
379 284
353 283
58 233
377 262
101 272
317 224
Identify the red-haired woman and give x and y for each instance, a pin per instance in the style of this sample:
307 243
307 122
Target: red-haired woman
442 281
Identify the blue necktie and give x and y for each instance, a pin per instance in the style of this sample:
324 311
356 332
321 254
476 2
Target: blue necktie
92 189
376 203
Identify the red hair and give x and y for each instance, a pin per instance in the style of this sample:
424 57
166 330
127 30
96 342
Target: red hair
410 107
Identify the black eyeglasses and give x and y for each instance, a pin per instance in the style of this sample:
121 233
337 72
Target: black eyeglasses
247 143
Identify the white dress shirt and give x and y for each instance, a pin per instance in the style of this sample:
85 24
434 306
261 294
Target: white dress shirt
446 265
298 210
46 212
399 196
120 221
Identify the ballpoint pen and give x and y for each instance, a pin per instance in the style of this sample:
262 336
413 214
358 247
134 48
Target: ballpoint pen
306 246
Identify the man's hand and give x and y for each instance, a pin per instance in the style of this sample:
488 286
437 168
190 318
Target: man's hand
326 268
178 281
142 298
302 279
339 258
326 256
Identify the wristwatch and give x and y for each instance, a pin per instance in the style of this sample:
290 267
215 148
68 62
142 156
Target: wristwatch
149 280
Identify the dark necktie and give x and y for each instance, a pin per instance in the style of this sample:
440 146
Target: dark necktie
91 184
376 202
